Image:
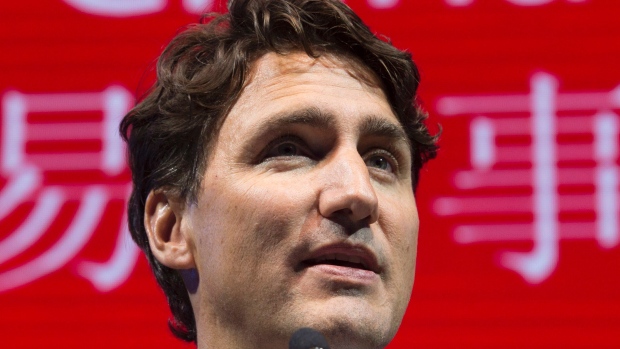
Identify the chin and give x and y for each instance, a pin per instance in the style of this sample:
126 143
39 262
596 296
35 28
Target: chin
357 336
355 328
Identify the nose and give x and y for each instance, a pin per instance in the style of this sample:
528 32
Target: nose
347 189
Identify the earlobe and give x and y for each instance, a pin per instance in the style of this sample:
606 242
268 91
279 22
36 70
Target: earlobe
169 242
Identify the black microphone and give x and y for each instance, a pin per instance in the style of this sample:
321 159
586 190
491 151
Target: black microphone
307 338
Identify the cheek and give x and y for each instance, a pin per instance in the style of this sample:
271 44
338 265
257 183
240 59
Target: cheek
400 222
400 214
405 248
242 237
410 242
251 221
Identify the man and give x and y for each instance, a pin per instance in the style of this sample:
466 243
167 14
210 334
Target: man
274 163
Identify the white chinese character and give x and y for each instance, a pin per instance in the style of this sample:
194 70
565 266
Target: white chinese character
24 173
123 8
382 4
460 3
536 115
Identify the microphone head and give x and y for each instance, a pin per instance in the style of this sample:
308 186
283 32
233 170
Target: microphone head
307 338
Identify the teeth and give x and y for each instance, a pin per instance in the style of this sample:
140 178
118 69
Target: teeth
353 259
326 257
340 257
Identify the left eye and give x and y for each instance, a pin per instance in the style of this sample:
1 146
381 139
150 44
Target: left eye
379 161
285 149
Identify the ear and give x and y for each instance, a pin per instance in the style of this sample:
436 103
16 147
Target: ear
168 238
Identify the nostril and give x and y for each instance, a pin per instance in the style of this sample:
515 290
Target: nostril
354 206
364 208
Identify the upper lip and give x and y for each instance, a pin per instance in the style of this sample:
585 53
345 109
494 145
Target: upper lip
354 253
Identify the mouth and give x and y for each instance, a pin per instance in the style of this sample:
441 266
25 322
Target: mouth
338 259
343 256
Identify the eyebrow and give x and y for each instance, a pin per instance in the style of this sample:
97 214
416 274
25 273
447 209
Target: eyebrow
372 125
308 116
377 126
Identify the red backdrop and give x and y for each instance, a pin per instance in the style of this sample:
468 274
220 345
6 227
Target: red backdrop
520 236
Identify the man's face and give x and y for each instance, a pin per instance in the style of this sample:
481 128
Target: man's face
306 215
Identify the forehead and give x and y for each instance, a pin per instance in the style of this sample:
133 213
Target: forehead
273 68
338 86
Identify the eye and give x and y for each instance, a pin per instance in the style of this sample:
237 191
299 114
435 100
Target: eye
379 162
382 160
285 147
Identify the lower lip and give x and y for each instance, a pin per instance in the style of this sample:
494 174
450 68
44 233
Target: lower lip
347 274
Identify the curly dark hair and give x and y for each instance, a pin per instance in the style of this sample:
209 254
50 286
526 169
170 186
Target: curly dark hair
200 75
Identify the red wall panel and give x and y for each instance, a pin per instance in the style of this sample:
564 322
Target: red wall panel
520 235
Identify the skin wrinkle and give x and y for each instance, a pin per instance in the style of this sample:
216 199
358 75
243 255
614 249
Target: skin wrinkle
313 117
373 126
253 220
335 64
334 183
